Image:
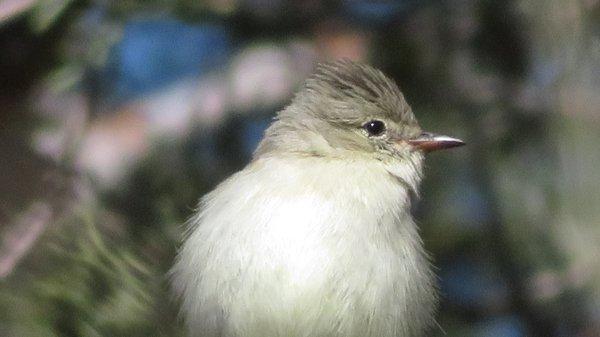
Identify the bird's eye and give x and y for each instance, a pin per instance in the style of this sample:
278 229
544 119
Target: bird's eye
374 127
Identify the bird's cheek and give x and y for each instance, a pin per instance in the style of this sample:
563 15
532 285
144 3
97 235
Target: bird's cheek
401 146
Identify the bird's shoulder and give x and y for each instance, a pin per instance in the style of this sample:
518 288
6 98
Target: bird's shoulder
301 190
298 177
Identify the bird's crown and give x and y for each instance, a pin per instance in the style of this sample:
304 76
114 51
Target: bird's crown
350 83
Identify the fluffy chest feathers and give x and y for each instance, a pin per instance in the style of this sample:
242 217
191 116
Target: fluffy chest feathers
305 247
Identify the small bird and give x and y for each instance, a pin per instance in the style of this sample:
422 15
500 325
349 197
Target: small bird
314 237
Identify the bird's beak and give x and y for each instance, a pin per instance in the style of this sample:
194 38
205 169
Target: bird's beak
428 142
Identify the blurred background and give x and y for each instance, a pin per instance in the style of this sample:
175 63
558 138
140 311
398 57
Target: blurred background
116 116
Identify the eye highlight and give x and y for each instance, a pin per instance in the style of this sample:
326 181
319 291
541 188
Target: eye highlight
374 127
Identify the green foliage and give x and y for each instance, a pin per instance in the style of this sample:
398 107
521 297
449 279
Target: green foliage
82 282
46 12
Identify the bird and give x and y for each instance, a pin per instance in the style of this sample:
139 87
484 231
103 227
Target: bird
314 237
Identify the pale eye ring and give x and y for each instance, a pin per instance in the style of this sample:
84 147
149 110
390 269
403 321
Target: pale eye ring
374 127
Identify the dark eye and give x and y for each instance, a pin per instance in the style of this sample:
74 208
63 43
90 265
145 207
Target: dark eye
374 127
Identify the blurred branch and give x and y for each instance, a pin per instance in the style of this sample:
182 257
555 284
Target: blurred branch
12 8
43 13
46 12
20 237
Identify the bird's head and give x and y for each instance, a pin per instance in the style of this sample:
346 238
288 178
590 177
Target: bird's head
350 110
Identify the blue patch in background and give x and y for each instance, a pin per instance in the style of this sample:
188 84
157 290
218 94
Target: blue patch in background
154 53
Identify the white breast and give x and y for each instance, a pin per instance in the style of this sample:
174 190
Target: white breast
305 247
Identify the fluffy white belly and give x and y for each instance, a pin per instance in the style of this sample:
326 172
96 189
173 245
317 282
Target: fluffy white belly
268 255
